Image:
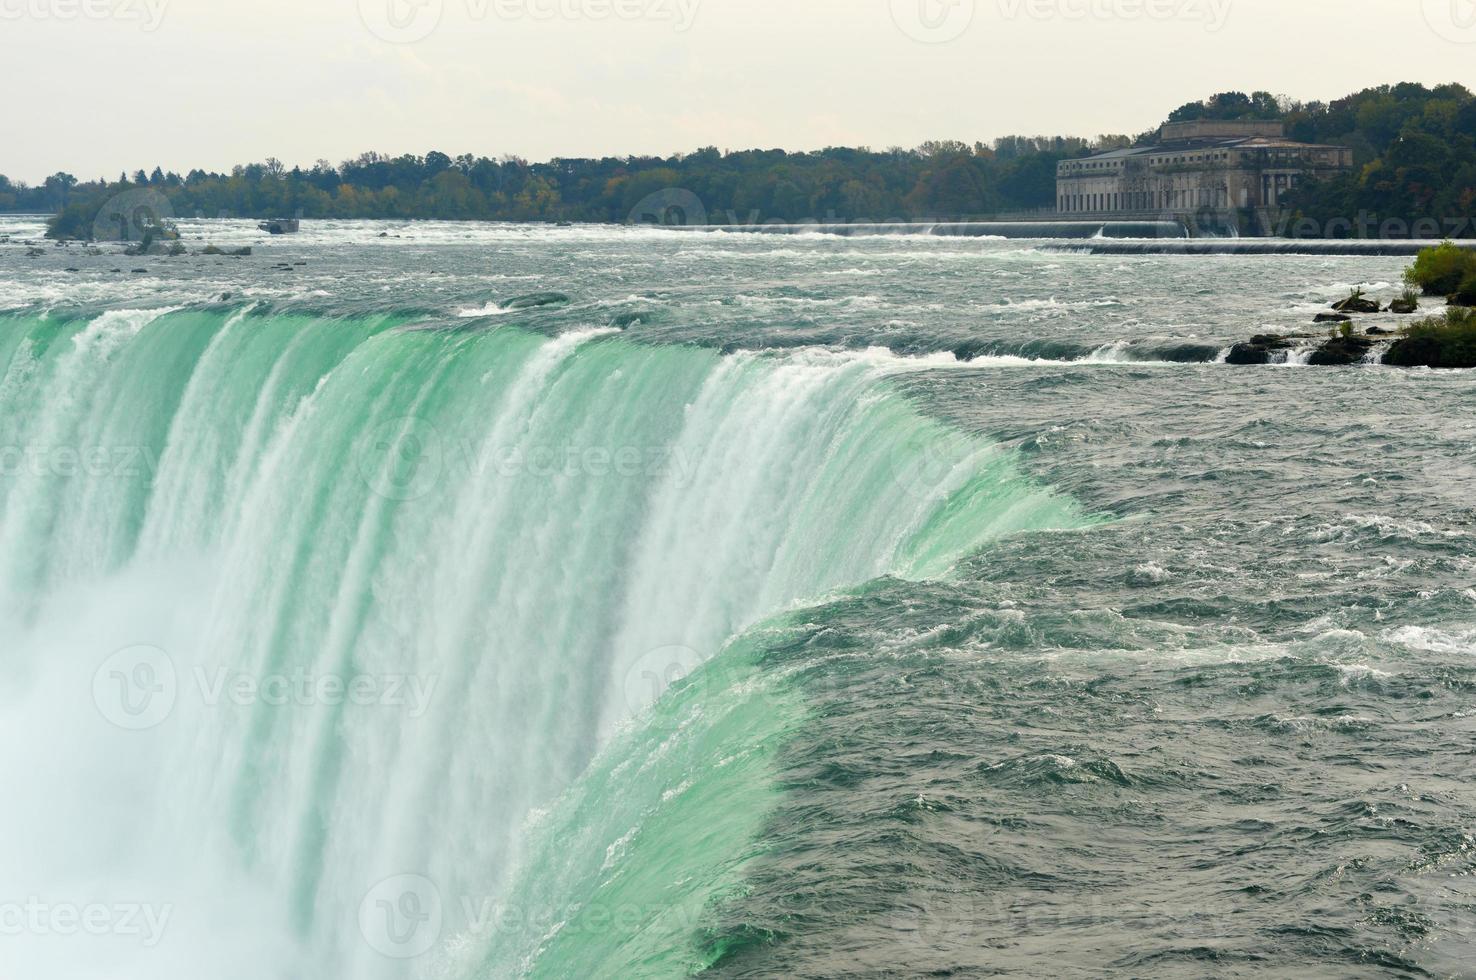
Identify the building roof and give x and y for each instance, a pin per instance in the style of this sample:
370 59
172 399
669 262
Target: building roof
1209 143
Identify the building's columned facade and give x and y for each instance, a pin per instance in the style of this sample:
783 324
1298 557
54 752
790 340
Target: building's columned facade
1196 166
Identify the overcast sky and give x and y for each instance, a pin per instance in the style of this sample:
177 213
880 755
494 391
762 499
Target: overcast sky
95 87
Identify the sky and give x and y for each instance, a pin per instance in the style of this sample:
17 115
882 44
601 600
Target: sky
96 87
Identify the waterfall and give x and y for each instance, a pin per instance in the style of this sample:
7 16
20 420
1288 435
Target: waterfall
301 605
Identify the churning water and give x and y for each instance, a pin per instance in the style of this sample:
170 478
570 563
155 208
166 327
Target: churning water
777 606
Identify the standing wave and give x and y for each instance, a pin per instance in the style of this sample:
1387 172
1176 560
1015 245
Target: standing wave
515 543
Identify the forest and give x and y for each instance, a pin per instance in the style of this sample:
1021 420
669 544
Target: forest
1414 148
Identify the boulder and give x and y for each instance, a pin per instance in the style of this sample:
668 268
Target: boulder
1341 351
1258 350
535 300
1404 307
1248 354
1357 304
1332 318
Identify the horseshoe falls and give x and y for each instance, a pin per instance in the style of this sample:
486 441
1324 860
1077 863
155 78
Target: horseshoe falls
458 601
378 622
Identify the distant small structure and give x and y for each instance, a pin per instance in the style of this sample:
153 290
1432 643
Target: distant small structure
280 226
1196 167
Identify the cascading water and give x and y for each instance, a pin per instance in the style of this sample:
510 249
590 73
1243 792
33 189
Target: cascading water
393 597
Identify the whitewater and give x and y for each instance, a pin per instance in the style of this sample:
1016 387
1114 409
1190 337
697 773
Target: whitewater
513 543
963 615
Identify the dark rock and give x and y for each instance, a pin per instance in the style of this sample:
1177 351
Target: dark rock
535 300
1186 353
1404 307
1332 318
1466 295
1357 304
1248 354
1251 353
139 271
1340 351
624 321
1259 349
1377 332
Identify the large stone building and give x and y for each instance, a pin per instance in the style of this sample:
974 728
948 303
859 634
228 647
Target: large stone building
1195 167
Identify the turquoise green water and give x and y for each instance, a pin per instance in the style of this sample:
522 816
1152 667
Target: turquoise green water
778 606
514 544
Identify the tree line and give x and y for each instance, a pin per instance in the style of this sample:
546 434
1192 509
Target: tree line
941 180
1414 149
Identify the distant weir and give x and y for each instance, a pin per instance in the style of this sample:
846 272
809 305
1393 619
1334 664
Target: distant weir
967 229
1241 246
1096 237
